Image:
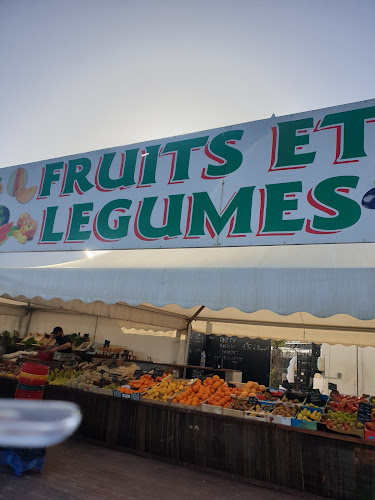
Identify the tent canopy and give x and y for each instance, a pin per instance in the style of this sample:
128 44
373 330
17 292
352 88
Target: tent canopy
321 293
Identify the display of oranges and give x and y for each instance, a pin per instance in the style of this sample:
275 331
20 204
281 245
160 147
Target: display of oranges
165 390
252 389
142 384
200 391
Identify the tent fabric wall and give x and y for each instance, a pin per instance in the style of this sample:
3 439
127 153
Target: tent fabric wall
322 280
162 289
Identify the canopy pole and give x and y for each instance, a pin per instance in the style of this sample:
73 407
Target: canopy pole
188 334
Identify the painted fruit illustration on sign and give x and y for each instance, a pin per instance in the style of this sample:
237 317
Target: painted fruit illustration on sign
368 201
17 186
1 185
5 225
26 228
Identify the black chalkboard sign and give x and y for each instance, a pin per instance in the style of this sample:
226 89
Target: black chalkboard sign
332 387
253 401
158 372
251 356
106 343
364 412
315 397
197 344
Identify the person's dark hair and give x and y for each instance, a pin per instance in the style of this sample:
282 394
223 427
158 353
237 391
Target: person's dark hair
57 329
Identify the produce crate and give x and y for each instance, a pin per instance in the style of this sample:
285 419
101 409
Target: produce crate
294 395
355 432
260 414
369 434
278 419
188 382
256 415
230 412
306 424
218 410
22 459
104 391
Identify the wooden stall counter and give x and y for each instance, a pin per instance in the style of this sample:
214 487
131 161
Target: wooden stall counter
319 463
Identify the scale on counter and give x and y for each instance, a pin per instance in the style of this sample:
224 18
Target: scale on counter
63 356
93 349
84 347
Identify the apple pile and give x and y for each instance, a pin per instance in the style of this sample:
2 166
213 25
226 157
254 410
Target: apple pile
343 403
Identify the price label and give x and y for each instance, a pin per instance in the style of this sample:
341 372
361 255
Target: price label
136 396
315 397
364 412
117 393
253 400
332 387
137 373
126 396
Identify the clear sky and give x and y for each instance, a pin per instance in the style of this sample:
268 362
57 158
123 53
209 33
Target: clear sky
80 75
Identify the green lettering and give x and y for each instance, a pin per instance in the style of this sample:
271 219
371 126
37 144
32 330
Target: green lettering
102 229
276 205
183 149
240 207
48 236
288 140
232 155
50 177
149 169
79 218
171 228
348 210
77 176
353 124
127 177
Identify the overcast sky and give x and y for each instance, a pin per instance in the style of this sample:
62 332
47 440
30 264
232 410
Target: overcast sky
80 75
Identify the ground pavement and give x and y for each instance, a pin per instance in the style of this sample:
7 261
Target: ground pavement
76 470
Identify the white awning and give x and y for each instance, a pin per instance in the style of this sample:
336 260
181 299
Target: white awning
285 292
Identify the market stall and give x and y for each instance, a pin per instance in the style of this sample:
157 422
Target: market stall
196 259
322 463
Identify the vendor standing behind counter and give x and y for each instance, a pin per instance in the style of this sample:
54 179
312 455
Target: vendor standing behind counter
62 342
